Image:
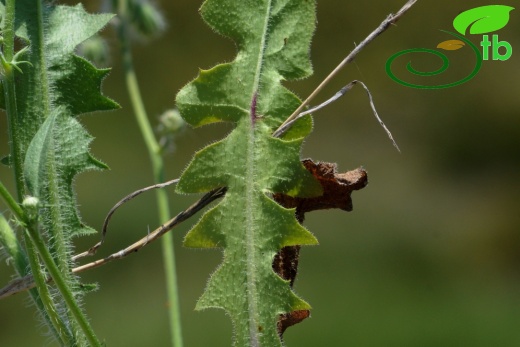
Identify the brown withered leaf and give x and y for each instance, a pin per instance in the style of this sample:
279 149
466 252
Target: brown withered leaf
290 319
337 190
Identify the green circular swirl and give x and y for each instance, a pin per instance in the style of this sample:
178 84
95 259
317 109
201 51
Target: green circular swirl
445 61
445 64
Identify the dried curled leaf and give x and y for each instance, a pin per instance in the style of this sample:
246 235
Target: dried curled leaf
337 190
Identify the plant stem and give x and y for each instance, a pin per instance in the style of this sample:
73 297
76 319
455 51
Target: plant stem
44 303
11 202
61 284
154 151
10 98
57 264
14 250
63 333
44 80
11 245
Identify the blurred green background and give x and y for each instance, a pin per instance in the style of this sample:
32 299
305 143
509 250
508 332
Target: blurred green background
430 256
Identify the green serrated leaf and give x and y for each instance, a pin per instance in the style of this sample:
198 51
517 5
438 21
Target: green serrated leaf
57 86
78 87
483 19
58 152
76 82
49 146
273 38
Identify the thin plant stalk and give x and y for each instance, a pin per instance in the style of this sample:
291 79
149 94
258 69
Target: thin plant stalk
61 284
58 325
10 98
11 202
20 260
154 151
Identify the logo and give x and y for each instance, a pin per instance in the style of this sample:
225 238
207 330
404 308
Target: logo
480 21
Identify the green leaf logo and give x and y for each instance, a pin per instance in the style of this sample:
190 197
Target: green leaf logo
482 20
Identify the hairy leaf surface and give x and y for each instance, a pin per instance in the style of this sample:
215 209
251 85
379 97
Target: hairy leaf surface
273 38
58 152
54 88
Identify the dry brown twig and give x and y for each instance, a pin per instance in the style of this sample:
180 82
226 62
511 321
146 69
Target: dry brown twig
26 283
391 19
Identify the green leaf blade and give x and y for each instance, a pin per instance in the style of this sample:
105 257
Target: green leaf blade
78 85
56 87
60 146
245 285
248 225
64 33
273 39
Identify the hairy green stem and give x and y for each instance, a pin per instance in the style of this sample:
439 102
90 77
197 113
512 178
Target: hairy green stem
154 151
14 250
11 245
61 284
44 80
10 99
11 202
56 263
59 327
43 302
